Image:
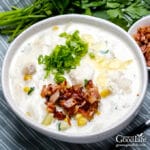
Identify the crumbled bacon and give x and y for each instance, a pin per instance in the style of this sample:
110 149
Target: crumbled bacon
72 100
59 115
44 91
54 97
69 103
142 37
50 107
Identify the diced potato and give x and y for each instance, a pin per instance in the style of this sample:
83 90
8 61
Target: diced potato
82 72
48 119
29 69
82 121
105 92
26 89
27 77
63 126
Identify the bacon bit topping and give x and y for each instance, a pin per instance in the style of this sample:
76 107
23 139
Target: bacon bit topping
73 100
142 37
69 103
54 97
51 107
59 115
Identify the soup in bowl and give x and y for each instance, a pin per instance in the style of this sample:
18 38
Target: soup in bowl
75 78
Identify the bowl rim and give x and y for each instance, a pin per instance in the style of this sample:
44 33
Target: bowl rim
137 25
88 138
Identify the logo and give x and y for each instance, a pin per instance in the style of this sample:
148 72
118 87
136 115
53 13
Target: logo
126 141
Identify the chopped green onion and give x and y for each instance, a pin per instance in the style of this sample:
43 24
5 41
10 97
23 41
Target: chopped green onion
31 90
92 56
85 82
59 126
63 126
65 57
59 78
40 59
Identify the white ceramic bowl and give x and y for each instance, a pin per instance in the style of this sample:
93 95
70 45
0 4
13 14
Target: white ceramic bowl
93 137
145 21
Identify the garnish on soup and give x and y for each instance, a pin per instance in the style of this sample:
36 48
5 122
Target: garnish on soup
77 100
87 76
65 57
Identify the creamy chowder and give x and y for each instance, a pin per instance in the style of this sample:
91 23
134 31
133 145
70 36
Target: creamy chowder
109 63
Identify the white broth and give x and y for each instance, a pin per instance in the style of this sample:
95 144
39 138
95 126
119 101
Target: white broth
113 67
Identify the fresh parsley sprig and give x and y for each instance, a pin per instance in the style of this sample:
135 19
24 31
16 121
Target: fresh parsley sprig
121 12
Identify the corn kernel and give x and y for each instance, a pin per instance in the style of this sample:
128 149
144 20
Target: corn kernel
98 112
81 121
105 92
27 77
66 119
55 28
78 116
26 89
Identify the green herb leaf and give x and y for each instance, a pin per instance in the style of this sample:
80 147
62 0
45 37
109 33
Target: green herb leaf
136 11
92 56
59 78
114 13
64 57
31 90
101 14
85 82
112 5
40 59
60 5
88 12
87 4
121 12
63 126
59 124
